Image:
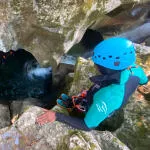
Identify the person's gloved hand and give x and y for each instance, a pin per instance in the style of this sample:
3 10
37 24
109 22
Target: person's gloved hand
48 116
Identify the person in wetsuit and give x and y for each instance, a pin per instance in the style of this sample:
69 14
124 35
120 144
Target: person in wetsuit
120 76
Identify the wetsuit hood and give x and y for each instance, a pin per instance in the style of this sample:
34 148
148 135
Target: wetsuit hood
108 76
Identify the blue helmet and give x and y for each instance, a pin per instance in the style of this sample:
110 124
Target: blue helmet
114 53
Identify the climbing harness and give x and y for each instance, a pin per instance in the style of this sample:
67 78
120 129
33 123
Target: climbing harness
73 103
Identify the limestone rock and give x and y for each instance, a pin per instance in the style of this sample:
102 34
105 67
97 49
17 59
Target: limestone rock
131 21
49 28
147 42
135 130
84 69
4 115
143 50
143 57
25 134
17 107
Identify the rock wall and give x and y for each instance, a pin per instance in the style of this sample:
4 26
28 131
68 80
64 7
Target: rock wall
49 28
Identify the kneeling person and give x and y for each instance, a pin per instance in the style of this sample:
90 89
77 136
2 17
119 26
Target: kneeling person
115 59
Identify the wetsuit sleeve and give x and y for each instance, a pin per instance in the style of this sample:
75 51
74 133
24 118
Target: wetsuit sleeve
77 123
143 77
105 102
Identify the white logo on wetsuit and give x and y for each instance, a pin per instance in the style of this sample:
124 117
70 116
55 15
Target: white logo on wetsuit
102 108
96 86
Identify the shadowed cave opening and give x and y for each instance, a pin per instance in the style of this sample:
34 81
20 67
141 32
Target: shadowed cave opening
21 76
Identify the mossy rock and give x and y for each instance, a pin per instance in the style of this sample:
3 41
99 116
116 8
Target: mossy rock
77 140
83 71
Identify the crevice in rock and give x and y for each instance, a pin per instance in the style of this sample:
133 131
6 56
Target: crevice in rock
22 76
10 111
85 47
120 9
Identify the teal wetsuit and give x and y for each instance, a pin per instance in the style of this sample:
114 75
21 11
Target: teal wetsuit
110 98
107 99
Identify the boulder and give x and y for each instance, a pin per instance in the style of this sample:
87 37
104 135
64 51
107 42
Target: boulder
143 57
11 110
135 130
4 115
17 107
26 134
49 28
83 70
126 21
142 50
